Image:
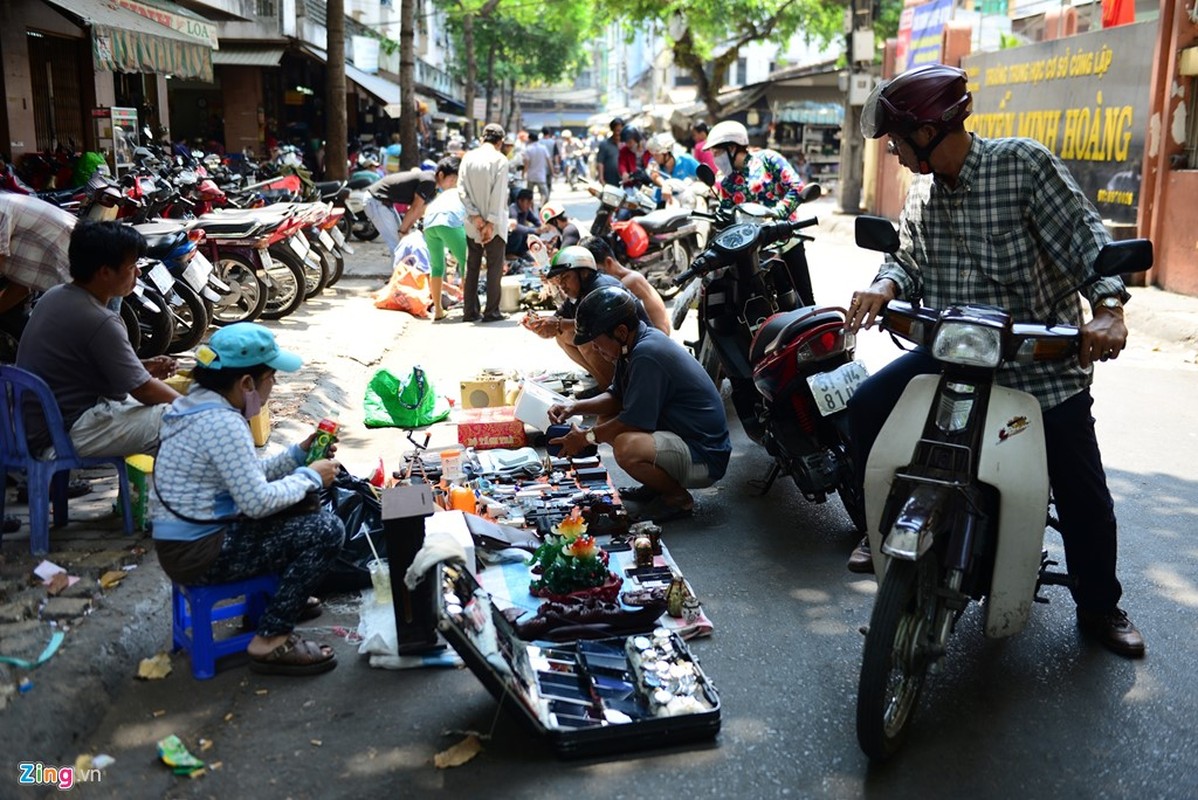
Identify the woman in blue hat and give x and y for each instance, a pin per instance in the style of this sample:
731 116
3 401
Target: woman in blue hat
222 514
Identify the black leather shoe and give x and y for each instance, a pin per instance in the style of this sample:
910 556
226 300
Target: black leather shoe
471 317
498 316
1113 630
10 524
861 560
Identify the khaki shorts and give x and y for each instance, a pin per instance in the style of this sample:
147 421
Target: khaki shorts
674 458
118 428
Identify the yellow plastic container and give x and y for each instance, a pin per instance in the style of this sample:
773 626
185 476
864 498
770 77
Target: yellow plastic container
260 427
140 469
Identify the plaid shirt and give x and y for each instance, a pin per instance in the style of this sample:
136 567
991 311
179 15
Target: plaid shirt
1015 232
34 236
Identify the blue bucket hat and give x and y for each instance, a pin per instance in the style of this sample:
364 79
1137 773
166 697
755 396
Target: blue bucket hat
245 344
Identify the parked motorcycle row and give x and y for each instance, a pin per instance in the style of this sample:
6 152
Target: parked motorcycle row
956 498
222 245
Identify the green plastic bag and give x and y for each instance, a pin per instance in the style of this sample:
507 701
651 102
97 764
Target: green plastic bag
408 403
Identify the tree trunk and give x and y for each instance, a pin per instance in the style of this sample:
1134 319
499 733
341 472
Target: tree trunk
410 157
471 73
490 78
336 147
511 104
707 87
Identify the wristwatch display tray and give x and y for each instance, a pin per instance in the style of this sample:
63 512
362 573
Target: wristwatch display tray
586 698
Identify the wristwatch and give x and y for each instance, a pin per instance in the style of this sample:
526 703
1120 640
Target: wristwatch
1110 301
589 435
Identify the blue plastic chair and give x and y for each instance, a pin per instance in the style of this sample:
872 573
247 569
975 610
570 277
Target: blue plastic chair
48 478
195 608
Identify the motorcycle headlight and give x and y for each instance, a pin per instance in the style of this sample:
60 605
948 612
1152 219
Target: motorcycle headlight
969 344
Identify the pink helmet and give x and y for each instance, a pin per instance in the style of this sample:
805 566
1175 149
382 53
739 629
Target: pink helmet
934 94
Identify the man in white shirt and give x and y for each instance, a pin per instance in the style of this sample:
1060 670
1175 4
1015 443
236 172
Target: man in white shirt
482 181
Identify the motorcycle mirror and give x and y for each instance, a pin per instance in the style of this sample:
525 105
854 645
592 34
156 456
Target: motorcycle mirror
812 191
876 233
706 174
1119 258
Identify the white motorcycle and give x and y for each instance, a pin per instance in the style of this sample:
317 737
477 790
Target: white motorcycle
956 490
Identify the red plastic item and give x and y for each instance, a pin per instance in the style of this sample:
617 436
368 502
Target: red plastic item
635 238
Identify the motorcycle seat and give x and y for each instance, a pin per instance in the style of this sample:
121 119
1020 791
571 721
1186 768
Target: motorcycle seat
784 327
663 220
359 183
57 196
329 188
234 228
162 237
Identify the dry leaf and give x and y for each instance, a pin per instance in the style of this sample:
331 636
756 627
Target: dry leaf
316 742
459 754
57 584
112 578
156 668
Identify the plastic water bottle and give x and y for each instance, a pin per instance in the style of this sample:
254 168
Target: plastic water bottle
326 433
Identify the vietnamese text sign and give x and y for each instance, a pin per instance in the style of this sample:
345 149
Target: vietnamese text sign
1083 98
927 32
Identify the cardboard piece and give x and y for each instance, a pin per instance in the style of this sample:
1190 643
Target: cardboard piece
489 428
484 393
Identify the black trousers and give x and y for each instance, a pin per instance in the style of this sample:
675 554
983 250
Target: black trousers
475 252
1083 501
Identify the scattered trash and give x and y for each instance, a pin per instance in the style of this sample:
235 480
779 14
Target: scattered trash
459 754
57 584
103 761
215 765
315 742
129 567
229 717
174 754
56 639
47 570
198 773
158 713
205 744
156 668
112 578
24 686
262 691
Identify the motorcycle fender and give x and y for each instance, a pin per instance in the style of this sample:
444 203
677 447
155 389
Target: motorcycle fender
891 452
1014 460
735 364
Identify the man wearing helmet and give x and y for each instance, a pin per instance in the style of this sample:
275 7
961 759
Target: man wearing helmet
668 162
553 216
764 177
1002 222
661 414
574 274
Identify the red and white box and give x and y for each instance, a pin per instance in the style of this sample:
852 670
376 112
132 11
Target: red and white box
490 428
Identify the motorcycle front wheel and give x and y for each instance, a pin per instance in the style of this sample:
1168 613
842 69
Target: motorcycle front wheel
895 659
678 262
190 320
285 287
364 229
247 294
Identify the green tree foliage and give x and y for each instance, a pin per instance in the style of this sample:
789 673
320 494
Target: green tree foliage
706 37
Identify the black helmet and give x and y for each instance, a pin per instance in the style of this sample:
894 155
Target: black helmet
933 94
601 311
630 134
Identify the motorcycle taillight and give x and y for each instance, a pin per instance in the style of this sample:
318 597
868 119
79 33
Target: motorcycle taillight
825 341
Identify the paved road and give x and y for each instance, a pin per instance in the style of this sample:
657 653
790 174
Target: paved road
1043 715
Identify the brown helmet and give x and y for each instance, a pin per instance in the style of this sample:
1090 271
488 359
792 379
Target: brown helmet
934 94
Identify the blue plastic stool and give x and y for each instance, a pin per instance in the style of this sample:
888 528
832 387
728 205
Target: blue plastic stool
194 609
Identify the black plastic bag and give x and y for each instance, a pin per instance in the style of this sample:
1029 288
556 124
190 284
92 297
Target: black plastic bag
356 503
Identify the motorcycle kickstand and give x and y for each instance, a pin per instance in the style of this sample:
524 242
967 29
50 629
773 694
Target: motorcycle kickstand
763 486
1047 578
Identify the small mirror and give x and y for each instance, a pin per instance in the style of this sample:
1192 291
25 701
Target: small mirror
706 174
1120 258
876 233
811 191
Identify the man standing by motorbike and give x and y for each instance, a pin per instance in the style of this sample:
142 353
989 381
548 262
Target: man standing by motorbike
1002 222
662 415
764 177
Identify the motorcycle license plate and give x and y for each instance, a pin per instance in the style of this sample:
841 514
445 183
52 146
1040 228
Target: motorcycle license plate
268 262
339 238
197 271
161 277
327 240
832 390
299 245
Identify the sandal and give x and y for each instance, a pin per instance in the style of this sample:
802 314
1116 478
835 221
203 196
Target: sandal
637 494
661 512
295 656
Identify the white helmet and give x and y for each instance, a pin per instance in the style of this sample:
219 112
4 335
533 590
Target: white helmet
567 134
660 143
726 133
551 210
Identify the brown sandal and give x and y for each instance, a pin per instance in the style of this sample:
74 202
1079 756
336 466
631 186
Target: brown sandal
295 656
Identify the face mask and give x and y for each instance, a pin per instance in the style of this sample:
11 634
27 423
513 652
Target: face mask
253 403
723 162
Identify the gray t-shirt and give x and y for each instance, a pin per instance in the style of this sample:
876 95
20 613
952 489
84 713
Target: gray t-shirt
81 350
536 163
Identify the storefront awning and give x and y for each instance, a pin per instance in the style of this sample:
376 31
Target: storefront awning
135 37
383 90
248 56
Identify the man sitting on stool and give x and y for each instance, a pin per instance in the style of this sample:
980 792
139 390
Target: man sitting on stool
662 415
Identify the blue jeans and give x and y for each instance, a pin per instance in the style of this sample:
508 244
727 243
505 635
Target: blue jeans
1083 501
385 219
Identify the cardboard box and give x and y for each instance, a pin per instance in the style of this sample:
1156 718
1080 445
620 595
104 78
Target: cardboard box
484 393
490 428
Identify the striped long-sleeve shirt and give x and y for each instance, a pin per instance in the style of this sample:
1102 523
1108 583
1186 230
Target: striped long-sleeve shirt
1015 232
